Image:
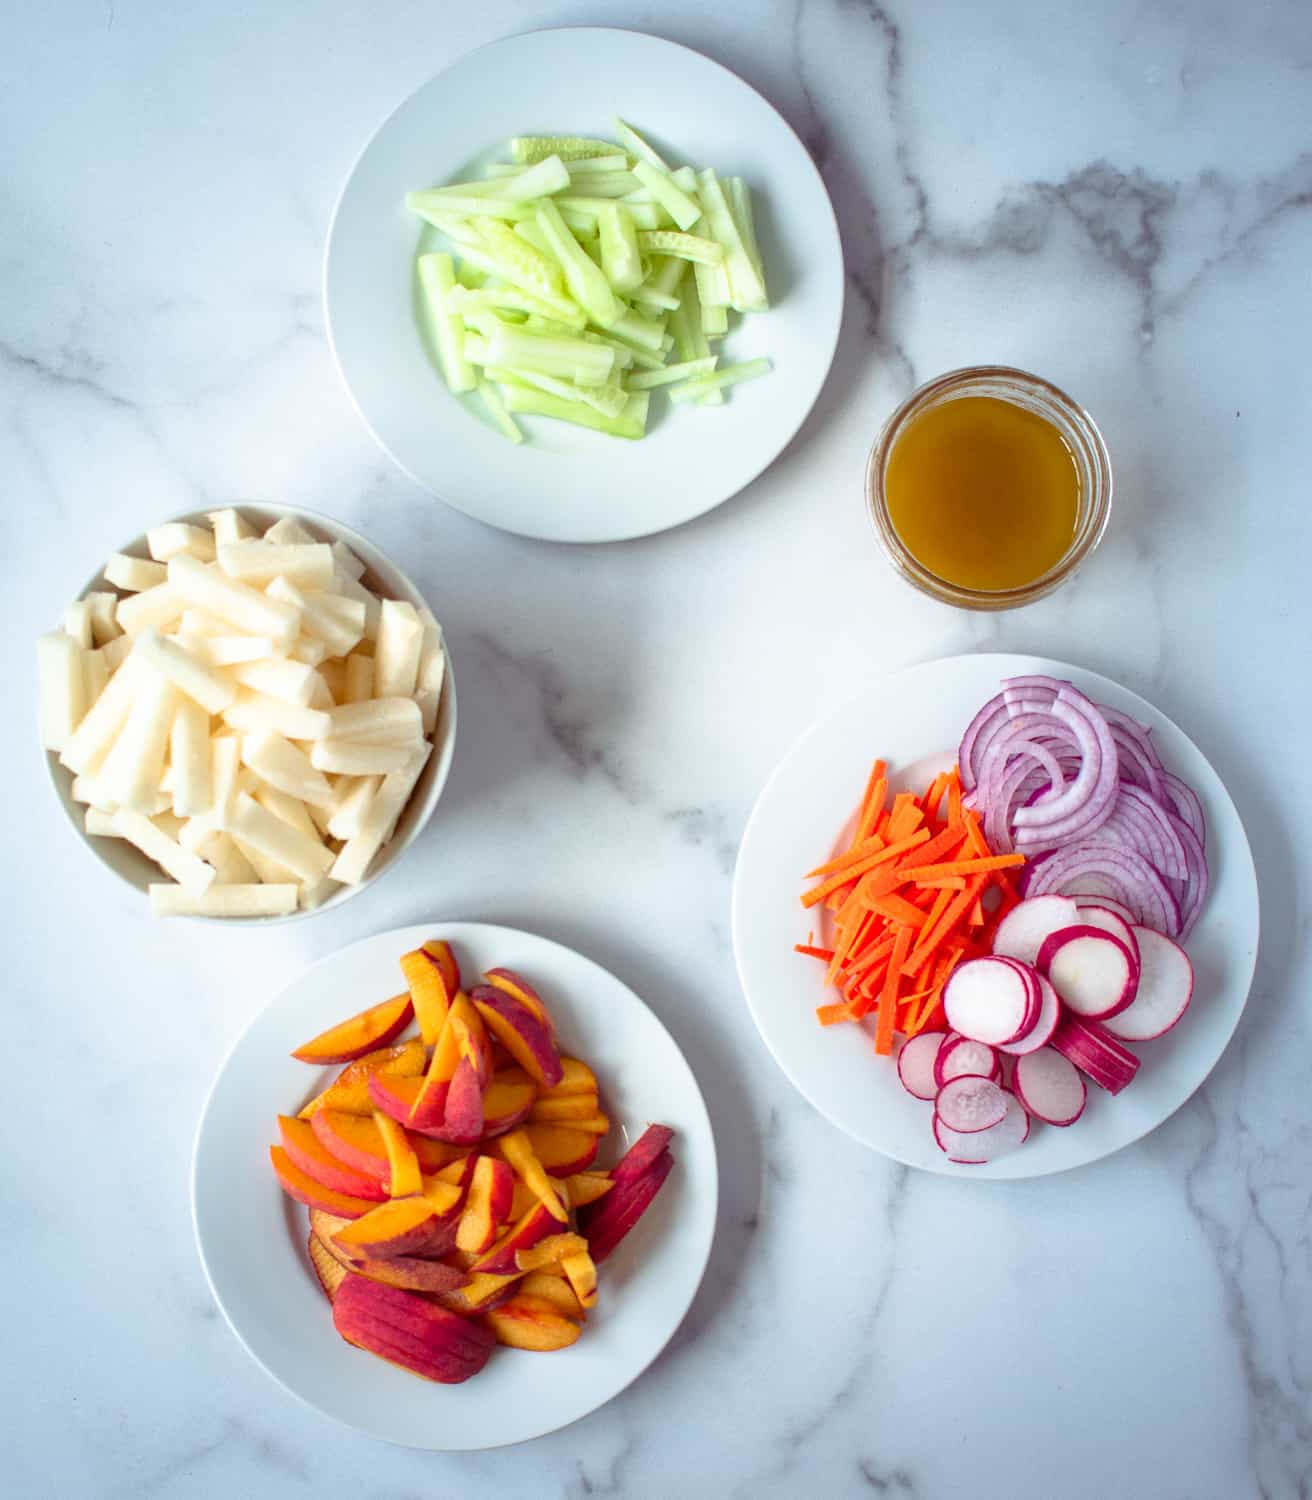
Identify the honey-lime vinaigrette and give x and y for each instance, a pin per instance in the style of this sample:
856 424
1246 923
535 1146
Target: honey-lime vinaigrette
983 493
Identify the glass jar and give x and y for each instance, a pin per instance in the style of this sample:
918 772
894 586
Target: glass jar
1076 429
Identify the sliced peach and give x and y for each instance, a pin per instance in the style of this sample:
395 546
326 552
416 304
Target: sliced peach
303 1147
535 1225
412 1273
597 1125
491 1192
462 1119
561 1151
403 1175
356 1140
410 1330
507 1101
404 1226
397 1097
587 1187
434 1155
482 1292
642 1153
472 1037
550 1251
554 1289
441 952
516 986
562 1109
576 1077
522 1032
441 1069
350 1090
301 1186
607 1222
428 992
528 1322
366 1032
516 1148
581 1271
523 1200
327 1268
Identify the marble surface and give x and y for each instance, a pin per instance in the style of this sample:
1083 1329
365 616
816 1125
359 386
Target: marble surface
1117 195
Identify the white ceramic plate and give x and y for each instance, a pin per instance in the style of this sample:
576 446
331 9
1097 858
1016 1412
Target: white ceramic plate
252 1238
915 719
565 483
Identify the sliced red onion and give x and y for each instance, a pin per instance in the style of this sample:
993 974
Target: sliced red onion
1099 869
1192 891
1187 805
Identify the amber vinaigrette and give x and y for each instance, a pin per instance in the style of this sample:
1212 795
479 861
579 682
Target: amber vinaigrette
983 493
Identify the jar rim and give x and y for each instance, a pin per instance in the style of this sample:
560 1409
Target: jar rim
1077 428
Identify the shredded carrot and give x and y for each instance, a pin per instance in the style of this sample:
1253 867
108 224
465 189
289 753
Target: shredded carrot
811 951
888 995
898 909
945 883
882 856
962 867
827 1015
930 938
854 855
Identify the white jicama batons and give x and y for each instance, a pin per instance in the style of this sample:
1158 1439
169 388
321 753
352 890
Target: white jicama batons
245 711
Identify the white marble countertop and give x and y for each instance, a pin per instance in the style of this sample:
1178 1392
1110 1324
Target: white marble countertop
1117 195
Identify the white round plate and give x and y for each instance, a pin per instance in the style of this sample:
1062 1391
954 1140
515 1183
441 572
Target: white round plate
252 1238
565 483
914 720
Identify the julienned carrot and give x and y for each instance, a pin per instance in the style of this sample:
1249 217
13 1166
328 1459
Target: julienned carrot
931 938
888 995
811 951
882 856
871 845
898 909
828 1015
948 842
947 883
905 818
961 867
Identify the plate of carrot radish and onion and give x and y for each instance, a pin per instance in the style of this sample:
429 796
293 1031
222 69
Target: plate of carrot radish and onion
995 916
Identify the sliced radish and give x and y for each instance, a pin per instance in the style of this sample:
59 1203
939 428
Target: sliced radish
975 1148
1166 985
959 1056
1040 1034
1095 1053
915 1064
1021 932
1049 1087
1108 903
1099 914
969 1104
988 1000
1093 972
1031 978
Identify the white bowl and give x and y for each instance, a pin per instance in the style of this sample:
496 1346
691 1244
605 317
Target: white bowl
384 578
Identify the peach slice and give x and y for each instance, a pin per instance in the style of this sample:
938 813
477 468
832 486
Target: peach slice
305 1151
410 1330
535 1225
516 1148
491 1193
428 991
597 1125
397 1097
462 1119
440 951
606 1223
576 1077
551 1251
367 1032
554 1289
518 988
522 1032
528 1322
350 1090
403 1175
561 1151
405 1226
587 1187
357 1140
581 1271
327 1268
523 1200
642 1153
507 1101
301 1186
416 1275
560 1109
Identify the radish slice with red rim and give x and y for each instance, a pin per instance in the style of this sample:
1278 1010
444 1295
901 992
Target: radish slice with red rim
988 1000
1107 903
915 1064
977 1148
1094 973
959 1056
1022 932
1040 1034
1166 986
1100 914
1049 1087
969 1104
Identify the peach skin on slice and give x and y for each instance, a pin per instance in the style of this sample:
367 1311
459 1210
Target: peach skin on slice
491 1193
597 1125
411 1273
516 986
299 1185
404 1226
462 1120
550 1251
528 1322
482 1293
350 1090
357 1140
441 952
524 1198
430 1101
326 1267
642 1153
428 991
581 1271
576 1077
305 1151
367 1032
397 1097
554 1289
516 1148
507 1101
403 1176
587 1187
607 1222
410 1330
562 1151
522 1033
472 1038
557 1109
523 1234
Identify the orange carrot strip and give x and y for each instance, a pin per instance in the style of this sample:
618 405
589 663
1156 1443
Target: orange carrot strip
874 807
943 845
811 951
888 995
829 1015
961 867
836 882
932 937
976 918
942 900
905 818
898 909
934 795
853 855
947 883
876 780
954 796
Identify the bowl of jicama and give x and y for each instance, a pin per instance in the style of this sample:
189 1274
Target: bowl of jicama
248 714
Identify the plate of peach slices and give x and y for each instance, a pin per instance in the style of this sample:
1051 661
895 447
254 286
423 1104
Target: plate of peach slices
440 1154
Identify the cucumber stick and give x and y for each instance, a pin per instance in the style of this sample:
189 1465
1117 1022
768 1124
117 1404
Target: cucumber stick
582 275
